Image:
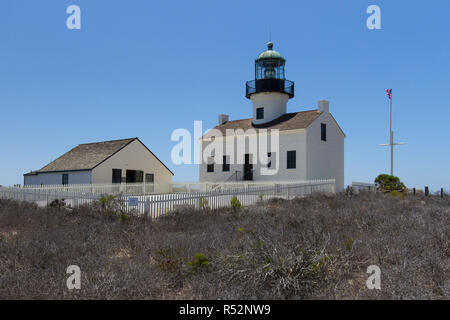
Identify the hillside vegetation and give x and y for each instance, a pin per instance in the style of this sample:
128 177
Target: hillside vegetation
318 247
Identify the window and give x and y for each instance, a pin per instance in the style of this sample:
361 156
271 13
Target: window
116 175
139 176
149 178
135 176
65 178
291 161
323 131
259 113
225 164
210 165
269 159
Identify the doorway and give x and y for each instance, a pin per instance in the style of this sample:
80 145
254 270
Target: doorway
248 168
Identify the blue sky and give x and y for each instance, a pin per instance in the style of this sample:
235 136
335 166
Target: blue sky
145 68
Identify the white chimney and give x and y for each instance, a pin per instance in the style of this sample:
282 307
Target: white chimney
223 118
324 106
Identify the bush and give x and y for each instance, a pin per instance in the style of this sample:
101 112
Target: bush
235 203
57 203
199 261
397 194
204 203
124 217
388 183
106 200
349 243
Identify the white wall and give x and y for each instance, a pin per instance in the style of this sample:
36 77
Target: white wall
274 104
133 157
289 140
316 159
325 159
75 177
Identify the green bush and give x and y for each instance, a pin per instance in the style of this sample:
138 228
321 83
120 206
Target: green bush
235 203
203 203
389 183
397 194
124 217
106 200
349 243
199 261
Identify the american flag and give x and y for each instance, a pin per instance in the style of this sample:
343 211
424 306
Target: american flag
389 93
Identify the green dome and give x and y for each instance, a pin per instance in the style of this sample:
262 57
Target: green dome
270 54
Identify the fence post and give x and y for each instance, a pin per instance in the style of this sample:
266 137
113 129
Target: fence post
426 191
146 207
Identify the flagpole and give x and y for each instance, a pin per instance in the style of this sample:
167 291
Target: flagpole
391 133
391 140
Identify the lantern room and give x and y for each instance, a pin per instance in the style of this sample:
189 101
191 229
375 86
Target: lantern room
270 74
269 64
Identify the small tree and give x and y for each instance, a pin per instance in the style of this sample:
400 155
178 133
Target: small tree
199 261
388 183
235 203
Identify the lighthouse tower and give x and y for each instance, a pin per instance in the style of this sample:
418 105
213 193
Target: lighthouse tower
270 91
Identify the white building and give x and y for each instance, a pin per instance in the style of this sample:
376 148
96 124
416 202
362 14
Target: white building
126 160
310 144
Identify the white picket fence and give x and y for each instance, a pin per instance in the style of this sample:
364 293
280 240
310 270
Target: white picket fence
155 188
107 189
158 205
44 197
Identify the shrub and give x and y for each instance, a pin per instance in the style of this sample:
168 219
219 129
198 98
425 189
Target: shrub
203 203
397 194
124 217
105 200
199 261
389 183
57 203
235 203
349 243
166 260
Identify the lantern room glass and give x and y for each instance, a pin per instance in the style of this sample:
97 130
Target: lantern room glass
269 69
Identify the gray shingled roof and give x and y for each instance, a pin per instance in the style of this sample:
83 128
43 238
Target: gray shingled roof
288 121
86 156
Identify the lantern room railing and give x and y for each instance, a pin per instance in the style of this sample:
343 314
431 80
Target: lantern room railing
269 85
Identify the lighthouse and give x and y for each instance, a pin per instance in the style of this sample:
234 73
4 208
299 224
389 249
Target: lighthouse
309 144
269 91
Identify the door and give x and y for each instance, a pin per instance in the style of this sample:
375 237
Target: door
248 168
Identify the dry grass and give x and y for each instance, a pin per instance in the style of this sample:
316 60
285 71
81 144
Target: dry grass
313 248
